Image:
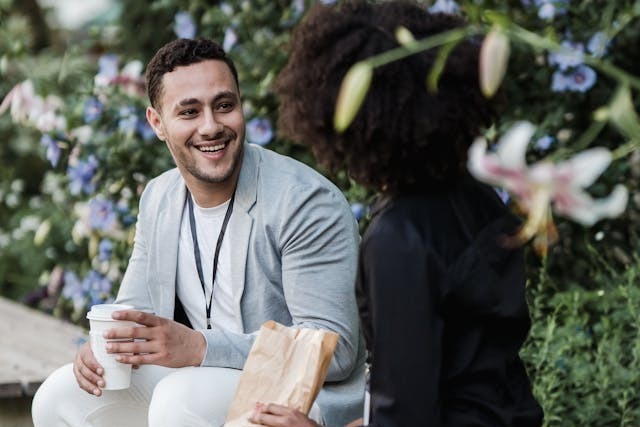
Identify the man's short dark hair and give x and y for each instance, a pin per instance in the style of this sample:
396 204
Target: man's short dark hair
403 135
179 53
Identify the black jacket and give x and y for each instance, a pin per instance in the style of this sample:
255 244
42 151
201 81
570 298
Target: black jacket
443 309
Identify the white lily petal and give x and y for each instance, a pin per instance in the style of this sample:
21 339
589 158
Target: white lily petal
588 211
586 166
475 161
512 147
613 205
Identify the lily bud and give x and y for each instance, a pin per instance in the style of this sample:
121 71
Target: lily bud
494 56
352 92
404 36
42 232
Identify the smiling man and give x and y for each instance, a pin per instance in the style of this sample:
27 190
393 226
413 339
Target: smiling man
234 236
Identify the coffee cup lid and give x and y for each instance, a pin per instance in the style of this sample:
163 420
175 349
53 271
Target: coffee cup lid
103 311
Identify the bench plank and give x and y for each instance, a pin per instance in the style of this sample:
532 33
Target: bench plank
32 345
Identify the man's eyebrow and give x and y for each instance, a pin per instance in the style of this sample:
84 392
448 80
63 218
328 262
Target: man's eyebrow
188 101
225 94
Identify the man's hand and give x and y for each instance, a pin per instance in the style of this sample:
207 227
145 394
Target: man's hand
88 371
163 342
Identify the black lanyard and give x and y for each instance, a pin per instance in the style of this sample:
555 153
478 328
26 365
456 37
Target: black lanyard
196 251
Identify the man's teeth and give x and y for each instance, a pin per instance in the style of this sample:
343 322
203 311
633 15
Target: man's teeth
212 148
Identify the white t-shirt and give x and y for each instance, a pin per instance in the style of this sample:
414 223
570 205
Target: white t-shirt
208 223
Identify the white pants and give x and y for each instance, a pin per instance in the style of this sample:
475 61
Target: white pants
158 397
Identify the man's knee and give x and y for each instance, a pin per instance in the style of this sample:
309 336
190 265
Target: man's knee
201 395
50 399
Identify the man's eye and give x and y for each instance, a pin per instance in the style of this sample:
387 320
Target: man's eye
189 113
225 106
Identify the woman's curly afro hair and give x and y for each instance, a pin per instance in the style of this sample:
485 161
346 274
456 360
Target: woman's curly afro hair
403 135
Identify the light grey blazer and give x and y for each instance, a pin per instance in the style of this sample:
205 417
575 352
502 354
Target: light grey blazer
293 260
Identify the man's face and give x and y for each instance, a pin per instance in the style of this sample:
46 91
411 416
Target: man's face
200 118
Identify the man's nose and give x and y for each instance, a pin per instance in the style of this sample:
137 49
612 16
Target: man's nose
209 125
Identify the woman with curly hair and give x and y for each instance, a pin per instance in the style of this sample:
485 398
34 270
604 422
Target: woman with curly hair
441 299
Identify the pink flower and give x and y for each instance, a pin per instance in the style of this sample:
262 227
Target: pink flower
542 185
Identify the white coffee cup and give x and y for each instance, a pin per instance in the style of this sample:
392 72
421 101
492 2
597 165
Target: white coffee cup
117 376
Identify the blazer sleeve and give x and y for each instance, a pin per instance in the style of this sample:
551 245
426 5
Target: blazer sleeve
133 289
398 277
319 247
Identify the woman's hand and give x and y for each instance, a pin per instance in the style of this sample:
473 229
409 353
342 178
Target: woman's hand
273 415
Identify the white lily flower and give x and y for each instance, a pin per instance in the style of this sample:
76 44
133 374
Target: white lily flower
542 185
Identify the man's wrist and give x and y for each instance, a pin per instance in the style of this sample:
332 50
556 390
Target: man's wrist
201 348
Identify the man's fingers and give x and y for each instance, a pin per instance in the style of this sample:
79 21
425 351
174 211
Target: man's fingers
140 317
86 384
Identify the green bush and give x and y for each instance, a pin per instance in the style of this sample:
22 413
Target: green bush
583 352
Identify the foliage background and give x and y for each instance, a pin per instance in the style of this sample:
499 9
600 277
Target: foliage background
66 228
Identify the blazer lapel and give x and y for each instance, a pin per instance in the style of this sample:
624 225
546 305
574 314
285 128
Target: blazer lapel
165 250
241 222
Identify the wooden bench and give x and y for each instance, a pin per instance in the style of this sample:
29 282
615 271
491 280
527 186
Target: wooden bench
32 345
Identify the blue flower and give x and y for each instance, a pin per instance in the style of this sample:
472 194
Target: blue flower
128 120
503 194
549 9
97 287
184 26
92 110
226 8
102 214
108 66
53 150
104 249
358 210
230 39
571 55
259 131
598 44
543 143
444 6
73 290
81 174
581 79
144 129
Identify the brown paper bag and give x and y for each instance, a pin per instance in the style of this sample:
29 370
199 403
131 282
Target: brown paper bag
286 366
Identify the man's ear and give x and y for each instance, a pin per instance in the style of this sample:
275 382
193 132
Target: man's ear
155 121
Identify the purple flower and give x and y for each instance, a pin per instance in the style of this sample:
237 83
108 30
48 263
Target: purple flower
444 6
104 249
102 214
581 79
259 131
92 110
53 150
183 26
230 39
81 174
